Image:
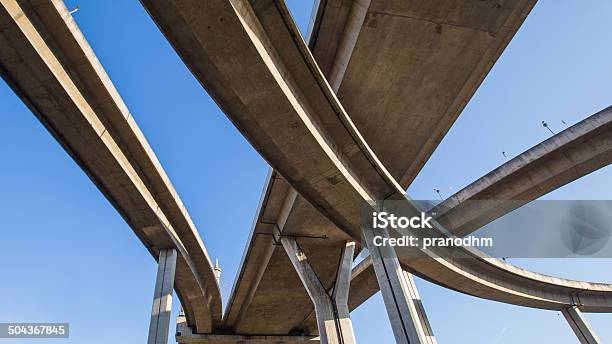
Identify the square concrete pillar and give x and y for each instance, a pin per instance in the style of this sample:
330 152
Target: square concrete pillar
162 298
404 308
579 325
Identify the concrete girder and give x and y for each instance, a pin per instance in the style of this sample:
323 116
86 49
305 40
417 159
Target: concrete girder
398 294
341 35
568 155
581 328
403 67
557 161
48 63
185 335
269 86
340 293
333 320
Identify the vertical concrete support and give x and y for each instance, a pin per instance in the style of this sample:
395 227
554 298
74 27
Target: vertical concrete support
340 293
579 325
162 299
399 293
333 328
415 298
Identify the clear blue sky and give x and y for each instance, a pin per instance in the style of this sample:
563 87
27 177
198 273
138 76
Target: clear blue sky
68 256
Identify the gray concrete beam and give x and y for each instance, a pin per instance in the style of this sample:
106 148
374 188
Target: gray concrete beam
572 153
340 294
409 67
333 320
415 298
341 36
568 155
48 63
270 87
579 325
298 315
262 244
395 287
185 335
162 297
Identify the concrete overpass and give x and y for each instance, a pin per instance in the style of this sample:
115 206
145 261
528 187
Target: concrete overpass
559 160
269 85
334 26
371 84
409 67
48 63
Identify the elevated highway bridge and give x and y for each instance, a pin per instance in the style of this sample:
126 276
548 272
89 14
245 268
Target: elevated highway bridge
351 116
48 63
278 98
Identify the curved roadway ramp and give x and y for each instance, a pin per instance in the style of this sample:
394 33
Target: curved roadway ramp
269 85
46 60
559 160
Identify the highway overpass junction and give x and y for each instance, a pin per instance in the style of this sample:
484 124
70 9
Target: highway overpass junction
330 116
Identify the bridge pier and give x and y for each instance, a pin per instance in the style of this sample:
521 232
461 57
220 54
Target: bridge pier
162 298
404 308
579 325
333 319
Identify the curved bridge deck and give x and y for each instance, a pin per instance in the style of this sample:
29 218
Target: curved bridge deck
46 60
269 85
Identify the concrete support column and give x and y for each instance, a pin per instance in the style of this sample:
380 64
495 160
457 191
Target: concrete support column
415 298
340 293
333 319
406 314
162 298
579 325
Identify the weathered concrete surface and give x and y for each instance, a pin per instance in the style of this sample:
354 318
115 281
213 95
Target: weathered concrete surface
404 314
584 332
339 24
184 335
46 60
268 84
559 160
363 283
341 292
404 70
332 313
568 155
159 326
258 283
